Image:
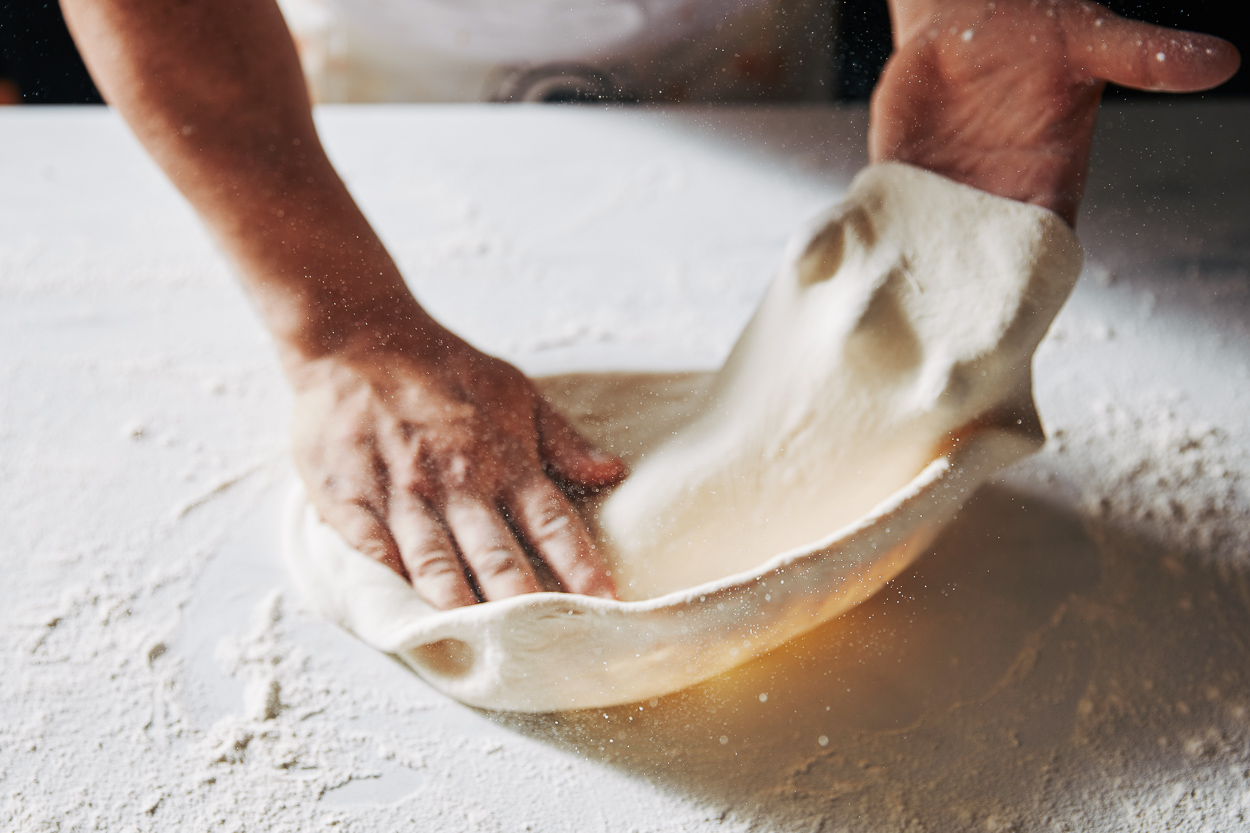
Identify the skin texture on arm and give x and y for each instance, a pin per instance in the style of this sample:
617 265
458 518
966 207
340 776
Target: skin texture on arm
424 453
1003 94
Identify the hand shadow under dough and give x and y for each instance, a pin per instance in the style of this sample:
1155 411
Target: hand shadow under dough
854 719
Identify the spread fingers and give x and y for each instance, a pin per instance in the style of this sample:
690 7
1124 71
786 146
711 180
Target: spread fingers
489 548
556 533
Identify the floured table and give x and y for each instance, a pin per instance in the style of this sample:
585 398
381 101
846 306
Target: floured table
1072 654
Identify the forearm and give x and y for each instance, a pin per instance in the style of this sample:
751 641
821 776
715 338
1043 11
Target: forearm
214 92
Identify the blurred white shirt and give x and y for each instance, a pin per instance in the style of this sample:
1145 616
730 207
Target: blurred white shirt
559 50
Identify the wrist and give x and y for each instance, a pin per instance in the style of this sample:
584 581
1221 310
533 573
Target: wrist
318 275
311 332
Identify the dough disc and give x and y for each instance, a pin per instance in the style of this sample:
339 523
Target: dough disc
884 377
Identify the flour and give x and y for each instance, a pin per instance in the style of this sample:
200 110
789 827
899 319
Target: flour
1048 666
1181 482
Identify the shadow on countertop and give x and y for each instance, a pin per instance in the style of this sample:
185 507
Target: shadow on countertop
1030 667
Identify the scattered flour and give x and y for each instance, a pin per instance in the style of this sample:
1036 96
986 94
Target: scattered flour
1059 662
1184 483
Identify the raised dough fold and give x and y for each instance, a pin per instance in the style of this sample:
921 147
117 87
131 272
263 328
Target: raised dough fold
885 376
903 316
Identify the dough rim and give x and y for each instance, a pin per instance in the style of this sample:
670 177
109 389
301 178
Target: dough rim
998 447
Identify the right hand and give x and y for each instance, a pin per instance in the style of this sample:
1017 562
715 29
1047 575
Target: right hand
1002 95
438 461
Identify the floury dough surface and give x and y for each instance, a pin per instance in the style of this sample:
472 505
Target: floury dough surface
899 319
884 378
1069 655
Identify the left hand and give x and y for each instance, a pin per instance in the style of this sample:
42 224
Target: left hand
1003 94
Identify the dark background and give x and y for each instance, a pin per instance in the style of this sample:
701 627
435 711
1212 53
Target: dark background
38 57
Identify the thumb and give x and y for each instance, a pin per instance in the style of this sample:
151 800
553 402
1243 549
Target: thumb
570 456
1147 57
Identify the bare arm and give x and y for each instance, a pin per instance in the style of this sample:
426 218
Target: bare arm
213 90
421 451
1003 94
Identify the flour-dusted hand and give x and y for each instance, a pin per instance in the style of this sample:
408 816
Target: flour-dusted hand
1003 94
437 460
423 452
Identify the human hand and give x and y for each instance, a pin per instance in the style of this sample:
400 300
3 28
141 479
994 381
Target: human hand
429 456
421 451
1003 94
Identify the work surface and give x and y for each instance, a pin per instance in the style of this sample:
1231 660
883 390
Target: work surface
1074 654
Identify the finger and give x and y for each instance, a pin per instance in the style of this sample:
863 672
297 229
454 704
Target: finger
570 455
554 530
430 558
489 548
361 527
352 501
1148 57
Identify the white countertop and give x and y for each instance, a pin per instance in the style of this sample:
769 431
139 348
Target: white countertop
1075 651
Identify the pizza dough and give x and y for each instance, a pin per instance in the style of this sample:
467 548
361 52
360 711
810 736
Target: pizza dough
909 313
884 377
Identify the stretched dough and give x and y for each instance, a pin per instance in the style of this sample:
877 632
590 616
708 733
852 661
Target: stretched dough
905 315
885 375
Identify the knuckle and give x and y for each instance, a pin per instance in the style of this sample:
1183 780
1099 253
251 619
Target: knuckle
553 524
496 562
547 514
436 565
373 548
367 537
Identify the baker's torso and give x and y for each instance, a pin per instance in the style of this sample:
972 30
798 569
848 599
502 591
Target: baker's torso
658 50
